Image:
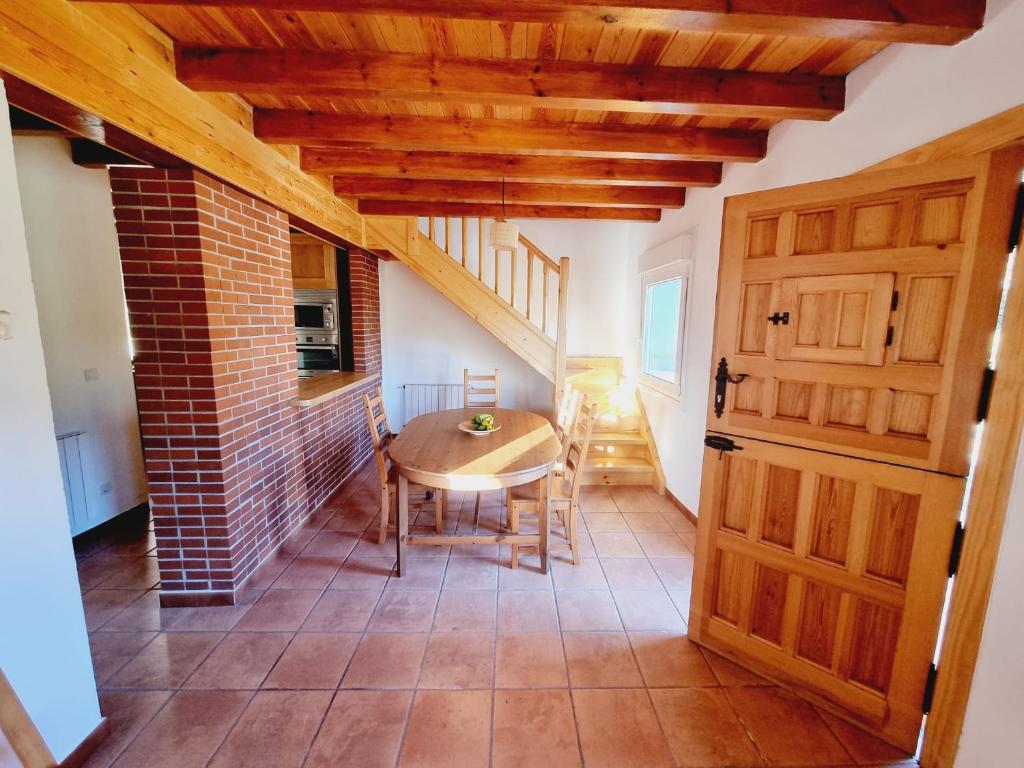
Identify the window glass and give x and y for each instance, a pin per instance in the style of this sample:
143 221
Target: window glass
661 329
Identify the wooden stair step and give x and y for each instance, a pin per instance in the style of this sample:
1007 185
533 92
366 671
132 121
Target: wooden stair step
620 464
618 438
618 471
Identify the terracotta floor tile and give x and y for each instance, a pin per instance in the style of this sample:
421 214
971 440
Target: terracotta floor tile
112 650
342 611
586 575
167 661
241 661
670 660
463 716
404 611
313 660
703 730
465 610
426 573
632 498
787 730
458 660
363 729
663 545
681 600
276 729
137 573
729 674
279 610
471 573
648 610
674 572
679 522
143 614
647 523
101 605
527 611
308 572
618 728
601 660
616 545
386 661
606 522
368 574
587 611
218 618
534 729
331 544
268 571
526 576
862 746
127 712
630 573
529 660
187 731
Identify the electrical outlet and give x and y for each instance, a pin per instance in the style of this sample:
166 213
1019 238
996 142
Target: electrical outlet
106 488
92 374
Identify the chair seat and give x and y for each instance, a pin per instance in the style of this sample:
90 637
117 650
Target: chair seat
561 490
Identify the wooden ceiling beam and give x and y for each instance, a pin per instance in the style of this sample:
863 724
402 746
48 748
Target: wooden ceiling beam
377 188
517 82
282 126
942 22
495 167
408 208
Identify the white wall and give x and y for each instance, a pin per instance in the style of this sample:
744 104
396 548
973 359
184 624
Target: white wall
427 340
905 96
44 650
76 270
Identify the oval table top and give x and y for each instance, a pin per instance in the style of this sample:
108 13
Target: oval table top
433 451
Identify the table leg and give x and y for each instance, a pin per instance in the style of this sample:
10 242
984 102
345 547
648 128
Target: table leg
544 520
402 523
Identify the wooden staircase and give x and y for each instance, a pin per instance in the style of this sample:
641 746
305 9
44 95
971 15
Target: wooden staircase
622 451
518 296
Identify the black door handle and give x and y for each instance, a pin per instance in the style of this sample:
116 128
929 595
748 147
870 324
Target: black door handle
722 378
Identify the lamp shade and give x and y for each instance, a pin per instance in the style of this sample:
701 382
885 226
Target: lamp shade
504 236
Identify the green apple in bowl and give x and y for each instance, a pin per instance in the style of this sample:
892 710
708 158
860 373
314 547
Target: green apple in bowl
483 422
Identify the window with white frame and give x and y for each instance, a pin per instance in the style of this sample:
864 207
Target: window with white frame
664 293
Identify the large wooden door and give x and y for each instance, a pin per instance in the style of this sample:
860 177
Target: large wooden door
854 317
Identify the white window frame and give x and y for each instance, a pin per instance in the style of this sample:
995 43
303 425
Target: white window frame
681 268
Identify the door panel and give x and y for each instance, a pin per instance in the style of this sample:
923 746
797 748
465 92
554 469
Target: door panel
893 275
855 317
827 572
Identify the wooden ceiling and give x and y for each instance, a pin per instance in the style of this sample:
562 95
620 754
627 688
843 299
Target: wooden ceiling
567 108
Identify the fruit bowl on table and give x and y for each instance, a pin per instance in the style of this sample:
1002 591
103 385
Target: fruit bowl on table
482 424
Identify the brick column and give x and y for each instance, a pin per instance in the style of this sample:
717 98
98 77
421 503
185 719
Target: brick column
365 284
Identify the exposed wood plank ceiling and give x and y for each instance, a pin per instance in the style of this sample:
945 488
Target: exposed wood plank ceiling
426 106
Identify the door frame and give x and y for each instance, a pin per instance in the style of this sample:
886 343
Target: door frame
986 513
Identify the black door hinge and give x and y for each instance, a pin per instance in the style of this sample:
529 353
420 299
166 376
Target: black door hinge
956 549
987 380
888 336
895 301
929 690
721 444
775 318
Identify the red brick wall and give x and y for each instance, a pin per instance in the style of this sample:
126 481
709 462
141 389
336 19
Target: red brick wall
365 282
233 466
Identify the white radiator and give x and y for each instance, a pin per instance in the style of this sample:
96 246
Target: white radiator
418 399
69 448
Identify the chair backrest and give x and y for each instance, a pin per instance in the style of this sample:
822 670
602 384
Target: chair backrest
573 402
380 432
579 446
480 390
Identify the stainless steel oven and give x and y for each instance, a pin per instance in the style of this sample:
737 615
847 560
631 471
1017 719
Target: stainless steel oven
318 354
316 312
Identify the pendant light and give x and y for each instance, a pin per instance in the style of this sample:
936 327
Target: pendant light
504 235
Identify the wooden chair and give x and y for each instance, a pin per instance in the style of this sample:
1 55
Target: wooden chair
565 490
572 403
480 390
387 473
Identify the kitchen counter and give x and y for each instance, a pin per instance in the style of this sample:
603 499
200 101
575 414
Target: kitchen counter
319 389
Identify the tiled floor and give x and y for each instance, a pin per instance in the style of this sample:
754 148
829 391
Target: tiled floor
332 661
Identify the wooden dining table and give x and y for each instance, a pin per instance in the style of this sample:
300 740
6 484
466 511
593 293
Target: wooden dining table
431 450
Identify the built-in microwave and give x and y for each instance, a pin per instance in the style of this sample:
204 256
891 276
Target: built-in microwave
316 311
